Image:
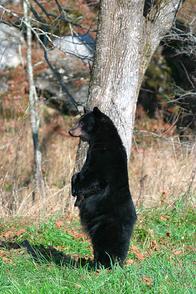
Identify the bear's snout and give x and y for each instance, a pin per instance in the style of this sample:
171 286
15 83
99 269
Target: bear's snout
76 131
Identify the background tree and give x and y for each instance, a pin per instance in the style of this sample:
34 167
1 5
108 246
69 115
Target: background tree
34 108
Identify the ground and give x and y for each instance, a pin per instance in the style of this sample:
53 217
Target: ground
161 257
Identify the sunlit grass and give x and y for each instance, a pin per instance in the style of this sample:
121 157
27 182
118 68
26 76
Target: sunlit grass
161 258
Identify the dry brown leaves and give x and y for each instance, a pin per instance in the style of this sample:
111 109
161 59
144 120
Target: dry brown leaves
76 235
129 261
168 234
178 252
137 253
10 234
4 256
154 245
147 280
164 217
60 224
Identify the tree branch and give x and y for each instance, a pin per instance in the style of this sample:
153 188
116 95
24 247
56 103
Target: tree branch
61 82
159 20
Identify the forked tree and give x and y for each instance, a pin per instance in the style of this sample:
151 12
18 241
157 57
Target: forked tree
129 32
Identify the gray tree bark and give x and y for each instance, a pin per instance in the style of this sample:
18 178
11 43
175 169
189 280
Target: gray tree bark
34 110
126 41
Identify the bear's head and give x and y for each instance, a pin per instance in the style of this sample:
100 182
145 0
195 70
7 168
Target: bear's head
87 124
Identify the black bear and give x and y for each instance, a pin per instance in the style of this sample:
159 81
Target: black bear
106 208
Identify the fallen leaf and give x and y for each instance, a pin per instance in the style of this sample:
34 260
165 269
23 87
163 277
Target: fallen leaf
20 232
3 257
137 253
147 280
60 248
177 252
164 217
9 234
59 224
129 261
76 234
168 234
153 245
78 286
191 248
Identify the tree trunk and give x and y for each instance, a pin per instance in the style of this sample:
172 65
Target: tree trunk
34 112
126 41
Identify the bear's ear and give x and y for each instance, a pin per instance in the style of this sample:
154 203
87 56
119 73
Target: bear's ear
96 111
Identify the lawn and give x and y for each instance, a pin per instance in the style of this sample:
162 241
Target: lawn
56 256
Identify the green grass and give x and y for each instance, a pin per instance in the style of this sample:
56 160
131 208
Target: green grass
161 260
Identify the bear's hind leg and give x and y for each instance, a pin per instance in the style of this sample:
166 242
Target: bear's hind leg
103 259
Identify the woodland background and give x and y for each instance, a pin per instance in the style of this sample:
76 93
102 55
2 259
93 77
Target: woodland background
163 162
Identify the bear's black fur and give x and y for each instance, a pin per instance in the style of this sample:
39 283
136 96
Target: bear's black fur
106 208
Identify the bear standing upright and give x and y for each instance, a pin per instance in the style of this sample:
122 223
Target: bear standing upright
106 208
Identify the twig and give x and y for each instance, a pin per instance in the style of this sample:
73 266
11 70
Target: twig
47 35
59 6
42 8
36 15
60 80
187 75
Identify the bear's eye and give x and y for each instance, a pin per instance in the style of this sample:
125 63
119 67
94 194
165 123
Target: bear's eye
81 124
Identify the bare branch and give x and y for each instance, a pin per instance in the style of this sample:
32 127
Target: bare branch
59 6
42 8
36 15
41 31
61 82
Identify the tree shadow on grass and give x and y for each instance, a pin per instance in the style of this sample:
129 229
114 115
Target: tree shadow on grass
42 254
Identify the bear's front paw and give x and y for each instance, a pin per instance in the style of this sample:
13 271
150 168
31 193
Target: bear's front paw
75 178
74 181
